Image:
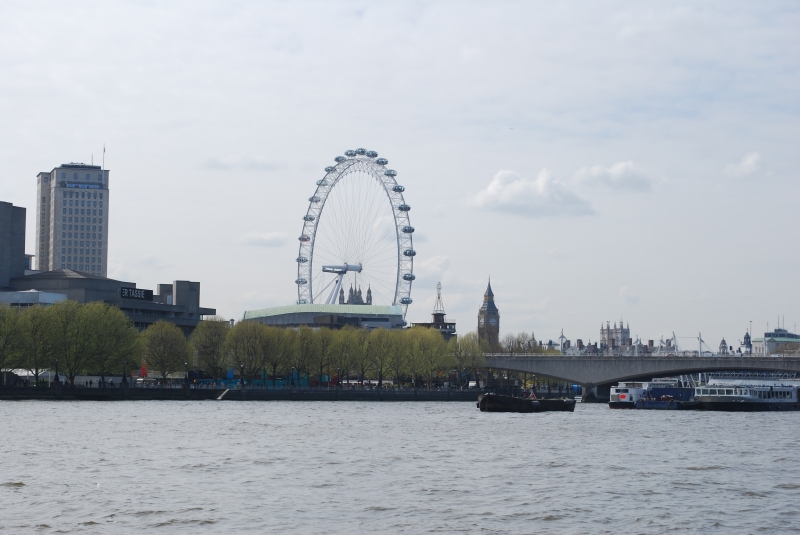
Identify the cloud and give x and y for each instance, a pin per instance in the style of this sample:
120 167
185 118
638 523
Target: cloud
263 239
622 176
628 295
747 166
543 197
244 164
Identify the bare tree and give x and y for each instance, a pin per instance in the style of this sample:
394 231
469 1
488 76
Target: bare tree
36 339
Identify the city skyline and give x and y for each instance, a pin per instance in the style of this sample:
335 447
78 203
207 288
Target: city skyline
645 170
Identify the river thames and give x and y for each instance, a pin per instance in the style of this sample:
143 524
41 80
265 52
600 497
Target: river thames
350 467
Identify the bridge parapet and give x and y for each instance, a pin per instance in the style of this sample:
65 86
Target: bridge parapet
594 370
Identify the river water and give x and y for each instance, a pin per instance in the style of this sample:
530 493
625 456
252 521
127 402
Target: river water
348 467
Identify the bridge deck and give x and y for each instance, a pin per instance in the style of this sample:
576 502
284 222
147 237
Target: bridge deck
594 370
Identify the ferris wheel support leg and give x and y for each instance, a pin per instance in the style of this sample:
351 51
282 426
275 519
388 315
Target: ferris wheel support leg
331 300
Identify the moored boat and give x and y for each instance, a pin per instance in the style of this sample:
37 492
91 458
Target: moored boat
500 403
752 397
625 395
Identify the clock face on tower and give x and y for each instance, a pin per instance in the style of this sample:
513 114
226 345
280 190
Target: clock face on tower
493 321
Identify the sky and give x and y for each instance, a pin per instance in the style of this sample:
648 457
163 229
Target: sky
600 161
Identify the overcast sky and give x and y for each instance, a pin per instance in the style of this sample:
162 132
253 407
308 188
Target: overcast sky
598 160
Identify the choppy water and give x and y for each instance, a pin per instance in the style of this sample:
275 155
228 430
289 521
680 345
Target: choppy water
293 467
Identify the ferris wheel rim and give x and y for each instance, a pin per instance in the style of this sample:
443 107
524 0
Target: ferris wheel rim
367 162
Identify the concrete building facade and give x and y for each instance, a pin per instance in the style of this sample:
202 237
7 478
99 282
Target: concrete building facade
72 209
329 316
177 303
12 243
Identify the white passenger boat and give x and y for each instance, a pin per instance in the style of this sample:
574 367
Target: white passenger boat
748 397
625 395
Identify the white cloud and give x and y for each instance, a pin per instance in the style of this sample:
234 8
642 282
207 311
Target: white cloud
620 176
543 197
263 239
628 295
747 166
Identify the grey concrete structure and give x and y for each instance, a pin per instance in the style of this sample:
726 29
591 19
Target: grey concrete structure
30 298
12 243
331 316
72 205
177 303
594 370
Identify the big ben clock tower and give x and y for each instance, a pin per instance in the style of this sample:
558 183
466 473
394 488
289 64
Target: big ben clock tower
489 318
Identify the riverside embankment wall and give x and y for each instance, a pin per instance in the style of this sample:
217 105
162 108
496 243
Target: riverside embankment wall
143 394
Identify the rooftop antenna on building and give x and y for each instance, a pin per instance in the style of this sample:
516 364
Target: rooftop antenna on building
438 307
104 157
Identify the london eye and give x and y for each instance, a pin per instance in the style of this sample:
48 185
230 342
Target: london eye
356 246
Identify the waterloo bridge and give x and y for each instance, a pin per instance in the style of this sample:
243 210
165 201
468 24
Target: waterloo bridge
597 373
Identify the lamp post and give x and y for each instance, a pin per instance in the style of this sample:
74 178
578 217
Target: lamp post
751 338
241 375
56 370
339 377
186 372
292 376
124 368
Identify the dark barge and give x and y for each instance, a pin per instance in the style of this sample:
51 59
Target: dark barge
500 403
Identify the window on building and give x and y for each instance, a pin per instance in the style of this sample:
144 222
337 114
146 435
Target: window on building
63 175
87 176
101 196
65 202
75 175
63 234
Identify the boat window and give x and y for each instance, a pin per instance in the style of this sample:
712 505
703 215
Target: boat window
713 392
729 392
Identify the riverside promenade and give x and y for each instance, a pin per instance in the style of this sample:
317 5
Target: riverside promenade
126 393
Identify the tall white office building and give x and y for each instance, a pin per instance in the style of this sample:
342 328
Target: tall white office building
72 219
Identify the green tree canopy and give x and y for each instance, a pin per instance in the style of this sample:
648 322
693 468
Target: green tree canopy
165 348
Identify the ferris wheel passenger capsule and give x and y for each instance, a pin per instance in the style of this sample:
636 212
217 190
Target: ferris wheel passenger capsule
371 154
404 208
350 153
329 169
340 159
313 199
381 161
301 282
410 252
409 277
302 301
361 152
406 300
390 172
304 238
308 218
322 182
408 229
398 188
302 259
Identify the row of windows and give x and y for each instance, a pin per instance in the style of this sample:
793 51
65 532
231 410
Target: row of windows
94 227
81 194
79 259
75 244
65 235
80 267
88 176
83 219
84 211
68 250
83 203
